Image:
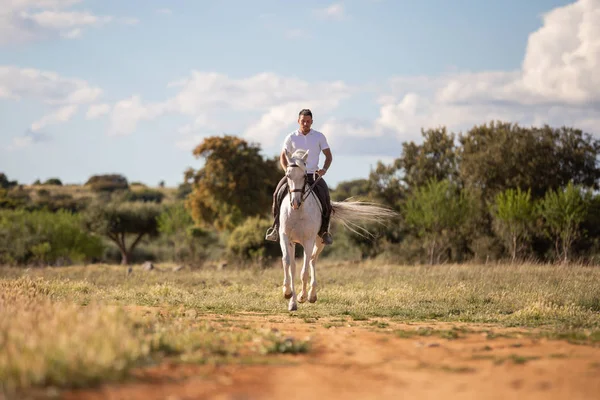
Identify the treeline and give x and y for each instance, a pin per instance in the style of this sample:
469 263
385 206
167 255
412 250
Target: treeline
499 191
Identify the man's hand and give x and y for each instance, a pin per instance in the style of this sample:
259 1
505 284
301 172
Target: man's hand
321 172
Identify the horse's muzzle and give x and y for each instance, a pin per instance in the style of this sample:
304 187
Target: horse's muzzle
296 204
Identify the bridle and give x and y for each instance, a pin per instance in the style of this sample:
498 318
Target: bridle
305 193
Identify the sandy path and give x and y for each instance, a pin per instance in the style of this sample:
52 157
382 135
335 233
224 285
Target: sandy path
366 362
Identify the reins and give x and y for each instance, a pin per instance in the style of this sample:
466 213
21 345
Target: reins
305 194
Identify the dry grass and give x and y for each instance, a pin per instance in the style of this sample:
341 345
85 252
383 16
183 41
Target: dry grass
77 326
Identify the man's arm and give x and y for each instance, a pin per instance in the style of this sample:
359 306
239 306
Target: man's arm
328 159
283 160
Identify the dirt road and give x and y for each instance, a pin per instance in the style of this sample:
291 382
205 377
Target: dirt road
381 359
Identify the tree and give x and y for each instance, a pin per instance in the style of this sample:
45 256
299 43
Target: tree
437 211
514 215
563 212
236 182
501 155
119 221
385 185
5 183
434 159
353 188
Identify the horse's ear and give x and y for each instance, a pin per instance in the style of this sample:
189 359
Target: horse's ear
305 156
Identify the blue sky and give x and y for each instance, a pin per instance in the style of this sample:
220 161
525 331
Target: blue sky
107 86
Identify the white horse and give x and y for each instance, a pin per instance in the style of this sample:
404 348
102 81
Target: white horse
299 223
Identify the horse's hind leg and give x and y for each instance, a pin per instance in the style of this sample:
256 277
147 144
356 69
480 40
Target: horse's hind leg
312 294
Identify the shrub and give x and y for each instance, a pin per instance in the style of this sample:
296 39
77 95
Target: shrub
145 195
53 181
45 237
107 183
247 241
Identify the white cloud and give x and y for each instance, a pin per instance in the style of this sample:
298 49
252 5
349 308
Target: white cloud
97 110
26 20
558 83
128 112
61 94
63 114
45 86
203 94
164 11
333 11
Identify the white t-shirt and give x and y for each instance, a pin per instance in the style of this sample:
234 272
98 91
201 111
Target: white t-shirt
314 141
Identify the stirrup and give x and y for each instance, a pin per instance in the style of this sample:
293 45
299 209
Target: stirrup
272 235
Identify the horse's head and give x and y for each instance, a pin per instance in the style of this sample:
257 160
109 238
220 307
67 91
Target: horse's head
296 176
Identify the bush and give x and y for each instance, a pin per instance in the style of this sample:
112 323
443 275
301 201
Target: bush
60 201
14 198
247 241
53 181
145 195
107 183
44 237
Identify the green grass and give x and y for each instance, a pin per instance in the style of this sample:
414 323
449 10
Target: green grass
79 333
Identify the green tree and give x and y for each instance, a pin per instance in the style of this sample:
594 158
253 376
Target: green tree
5 183
357 188
563 211
120 221
513 214
385 185
235 182
437 212
434 159
499 156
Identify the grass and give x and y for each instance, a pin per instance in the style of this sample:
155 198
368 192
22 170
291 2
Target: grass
81 329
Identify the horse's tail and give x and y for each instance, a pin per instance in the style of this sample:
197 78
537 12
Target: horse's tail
353 215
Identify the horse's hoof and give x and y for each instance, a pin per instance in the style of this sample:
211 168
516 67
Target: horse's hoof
312 299
293 307
287 295
302 298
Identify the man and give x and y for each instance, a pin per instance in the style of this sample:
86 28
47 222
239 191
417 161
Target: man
314 141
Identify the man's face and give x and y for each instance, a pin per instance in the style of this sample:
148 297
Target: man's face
305 122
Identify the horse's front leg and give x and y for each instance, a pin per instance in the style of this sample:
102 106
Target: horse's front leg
287 251
308 246
293 305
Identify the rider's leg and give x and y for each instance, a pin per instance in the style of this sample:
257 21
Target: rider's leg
278 195
322 191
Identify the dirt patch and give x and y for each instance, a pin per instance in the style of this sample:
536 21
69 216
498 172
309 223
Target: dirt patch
379 359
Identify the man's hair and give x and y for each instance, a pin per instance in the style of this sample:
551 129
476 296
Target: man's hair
305 111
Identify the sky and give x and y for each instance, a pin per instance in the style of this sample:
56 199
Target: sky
132 86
